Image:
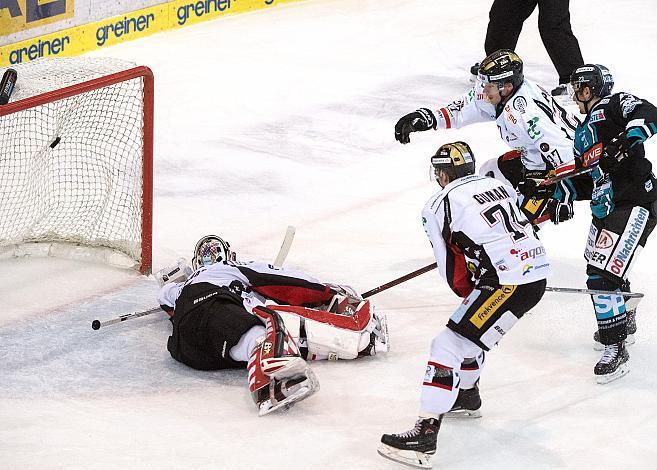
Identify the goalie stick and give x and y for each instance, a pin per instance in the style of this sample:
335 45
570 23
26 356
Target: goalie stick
278 262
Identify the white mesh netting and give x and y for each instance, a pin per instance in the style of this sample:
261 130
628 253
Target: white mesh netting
71 169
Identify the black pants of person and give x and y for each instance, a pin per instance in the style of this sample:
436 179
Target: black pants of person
508 16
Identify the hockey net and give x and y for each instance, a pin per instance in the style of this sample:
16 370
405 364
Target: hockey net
76 150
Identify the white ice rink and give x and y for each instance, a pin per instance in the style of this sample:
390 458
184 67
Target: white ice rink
286 117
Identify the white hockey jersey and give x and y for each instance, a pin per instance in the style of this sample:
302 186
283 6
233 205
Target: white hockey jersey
531 121
479 236
255 282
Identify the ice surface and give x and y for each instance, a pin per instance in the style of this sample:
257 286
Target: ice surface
286 117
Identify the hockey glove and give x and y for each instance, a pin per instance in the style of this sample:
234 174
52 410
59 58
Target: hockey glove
620 147
529 186
558 211
421 120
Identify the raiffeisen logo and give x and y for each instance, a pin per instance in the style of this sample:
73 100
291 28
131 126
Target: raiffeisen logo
201 8
39 49
125 26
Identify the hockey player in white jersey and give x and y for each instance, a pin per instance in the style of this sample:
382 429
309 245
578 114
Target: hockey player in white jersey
223 317
529 120
489 255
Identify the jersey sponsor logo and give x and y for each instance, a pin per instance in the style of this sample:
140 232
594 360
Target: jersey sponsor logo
528 254
520 104
510 115
598 115
648 186
592 155
605 240
629 241
266 347
500 265
492 305
527 268
532 131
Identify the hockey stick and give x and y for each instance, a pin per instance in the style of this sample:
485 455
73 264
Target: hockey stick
285 246
97 324
565 176
278 262
399 280
634 297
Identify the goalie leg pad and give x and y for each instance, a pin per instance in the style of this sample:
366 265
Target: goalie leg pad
329 335
278 375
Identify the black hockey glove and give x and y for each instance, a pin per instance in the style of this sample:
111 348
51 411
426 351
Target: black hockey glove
421 120
618 148
559 212
530 188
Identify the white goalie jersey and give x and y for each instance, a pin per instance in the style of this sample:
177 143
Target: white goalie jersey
479 237
531 121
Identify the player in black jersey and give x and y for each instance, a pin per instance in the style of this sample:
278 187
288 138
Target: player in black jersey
623 202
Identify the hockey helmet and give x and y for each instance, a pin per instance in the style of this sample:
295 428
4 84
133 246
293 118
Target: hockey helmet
210 250
501 67
597 77
456 159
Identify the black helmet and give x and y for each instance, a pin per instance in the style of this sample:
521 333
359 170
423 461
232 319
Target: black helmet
456 159
501 67
211 249
597 77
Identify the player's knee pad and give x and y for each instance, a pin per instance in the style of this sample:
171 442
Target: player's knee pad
470 370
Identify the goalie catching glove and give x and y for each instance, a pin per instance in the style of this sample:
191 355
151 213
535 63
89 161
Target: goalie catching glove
421 120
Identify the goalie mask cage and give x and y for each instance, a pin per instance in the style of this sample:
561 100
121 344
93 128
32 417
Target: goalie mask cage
76 162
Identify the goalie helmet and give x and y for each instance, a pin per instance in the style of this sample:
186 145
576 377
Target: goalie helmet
456 159
597 77
501 67
210 250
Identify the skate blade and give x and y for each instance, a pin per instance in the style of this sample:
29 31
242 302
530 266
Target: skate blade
406 457
463 414
629 341
306 388
622 370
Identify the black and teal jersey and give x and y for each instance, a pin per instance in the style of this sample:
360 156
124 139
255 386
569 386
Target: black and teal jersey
632 182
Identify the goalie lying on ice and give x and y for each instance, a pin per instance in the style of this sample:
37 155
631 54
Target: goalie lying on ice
230 314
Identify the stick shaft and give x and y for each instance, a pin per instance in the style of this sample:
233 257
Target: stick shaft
570 290
96 324
399 280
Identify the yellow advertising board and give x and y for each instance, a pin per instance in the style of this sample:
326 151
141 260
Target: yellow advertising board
133 25
19 15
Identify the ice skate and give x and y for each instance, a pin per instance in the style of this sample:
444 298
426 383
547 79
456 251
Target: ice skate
415 447
467 405
613 363
282 394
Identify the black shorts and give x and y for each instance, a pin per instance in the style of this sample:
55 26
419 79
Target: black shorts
205 330
488 313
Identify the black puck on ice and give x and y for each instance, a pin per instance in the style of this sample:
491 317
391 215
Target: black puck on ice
95 324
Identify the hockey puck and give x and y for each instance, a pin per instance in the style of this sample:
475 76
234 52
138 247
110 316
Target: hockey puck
95 324
55 142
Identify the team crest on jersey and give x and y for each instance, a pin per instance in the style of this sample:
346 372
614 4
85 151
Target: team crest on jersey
520 104
598 115
628 103
266 348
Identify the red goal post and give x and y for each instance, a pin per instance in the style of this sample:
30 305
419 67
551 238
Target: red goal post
76 162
